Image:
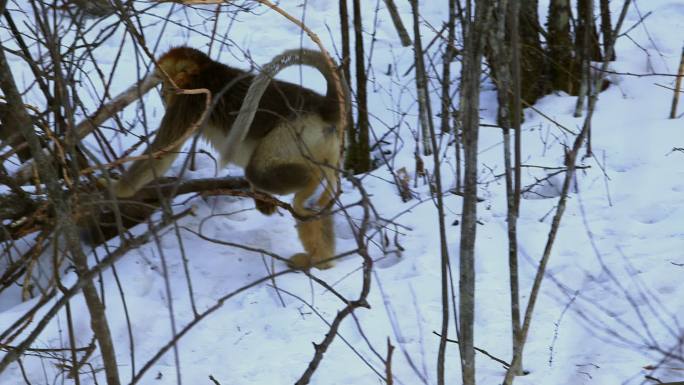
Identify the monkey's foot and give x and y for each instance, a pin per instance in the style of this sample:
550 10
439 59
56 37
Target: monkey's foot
303 261
264 207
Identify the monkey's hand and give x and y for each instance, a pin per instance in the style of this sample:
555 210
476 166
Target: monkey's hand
265 207
264 202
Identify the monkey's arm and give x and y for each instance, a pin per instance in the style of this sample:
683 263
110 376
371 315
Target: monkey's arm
181 114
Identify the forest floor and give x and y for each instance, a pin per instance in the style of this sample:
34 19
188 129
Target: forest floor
611 305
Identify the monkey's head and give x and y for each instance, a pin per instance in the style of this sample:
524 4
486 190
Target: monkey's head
182 65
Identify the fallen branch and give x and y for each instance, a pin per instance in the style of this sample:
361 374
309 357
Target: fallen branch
95 212
103 219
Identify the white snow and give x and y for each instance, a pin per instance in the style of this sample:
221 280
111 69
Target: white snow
611 304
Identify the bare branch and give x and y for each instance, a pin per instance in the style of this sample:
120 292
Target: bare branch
398 24
116 105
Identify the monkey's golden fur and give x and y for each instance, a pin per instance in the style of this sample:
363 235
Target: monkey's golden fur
291 145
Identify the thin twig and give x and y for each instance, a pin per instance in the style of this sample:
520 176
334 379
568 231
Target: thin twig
486 353
678 86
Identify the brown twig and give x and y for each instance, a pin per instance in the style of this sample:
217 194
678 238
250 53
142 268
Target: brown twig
678 86
388 363
486 353
398 24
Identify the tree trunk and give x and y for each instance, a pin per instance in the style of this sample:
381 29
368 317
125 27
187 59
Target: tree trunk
398 25
352 147
564 69
498 54
93 8
513 187
534 84
470 91
606 28
449 53
585 21
424 109
448 58
9 133
677 88
503 56
582 52
358 159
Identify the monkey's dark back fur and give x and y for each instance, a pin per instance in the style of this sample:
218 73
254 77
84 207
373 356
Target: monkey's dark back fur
281 101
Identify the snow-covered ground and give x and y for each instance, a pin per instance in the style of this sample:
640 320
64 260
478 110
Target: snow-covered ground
611 304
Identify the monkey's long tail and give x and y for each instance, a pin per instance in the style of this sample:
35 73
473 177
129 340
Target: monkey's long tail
316 59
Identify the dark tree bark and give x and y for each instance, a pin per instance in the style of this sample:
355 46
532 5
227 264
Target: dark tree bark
448 58
583 51
532 61
346 70
358 156
92 8
344 31
9 133
498 54
585 22
606 28
564 69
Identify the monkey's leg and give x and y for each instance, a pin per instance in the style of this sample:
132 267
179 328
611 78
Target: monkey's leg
143 172
181 114
317 235
291 159
278 178
277 167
